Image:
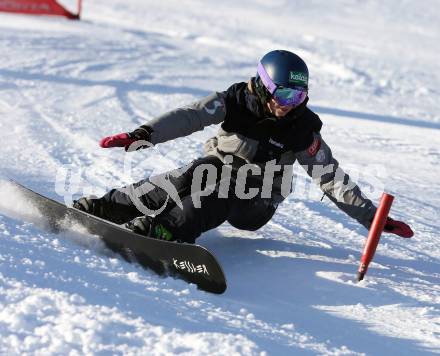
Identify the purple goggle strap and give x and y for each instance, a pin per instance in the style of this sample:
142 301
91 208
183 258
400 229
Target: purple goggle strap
268 83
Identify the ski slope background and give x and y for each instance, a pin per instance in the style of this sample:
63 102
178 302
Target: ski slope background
291 285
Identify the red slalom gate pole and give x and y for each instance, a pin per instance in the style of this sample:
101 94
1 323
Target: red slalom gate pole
79 8
377 226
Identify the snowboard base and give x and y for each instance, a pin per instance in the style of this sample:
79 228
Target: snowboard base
190 262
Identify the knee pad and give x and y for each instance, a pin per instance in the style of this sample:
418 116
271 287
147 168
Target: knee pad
251 215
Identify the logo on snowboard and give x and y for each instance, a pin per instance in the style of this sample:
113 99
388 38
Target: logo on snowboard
190 267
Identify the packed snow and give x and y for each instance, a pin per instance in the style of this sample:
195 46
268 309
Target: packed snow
291 285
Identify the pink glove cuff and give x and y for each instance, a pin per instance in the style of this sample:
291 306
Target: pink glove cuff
119 140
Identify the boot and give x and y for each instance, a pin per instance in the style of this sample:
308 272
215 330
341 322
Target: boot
97 207
140 225
90 205
144 225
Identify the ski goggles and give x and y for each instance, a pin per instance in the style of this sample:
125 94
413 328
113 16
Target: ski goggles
283 96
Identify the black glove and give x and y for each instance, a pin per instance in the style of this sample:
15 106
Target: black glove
142 133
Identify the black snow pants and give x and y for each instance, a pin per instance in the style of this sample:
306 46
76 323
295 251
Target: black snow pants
186 217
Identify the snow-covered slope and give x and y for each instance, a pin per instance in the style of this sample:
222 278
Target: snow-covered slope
291 290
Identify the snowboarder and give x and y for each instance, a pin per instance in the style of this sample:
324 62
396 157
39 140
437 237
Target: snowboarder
265 127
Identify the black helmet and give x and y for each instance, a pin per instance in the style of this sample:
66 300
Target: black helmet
280 69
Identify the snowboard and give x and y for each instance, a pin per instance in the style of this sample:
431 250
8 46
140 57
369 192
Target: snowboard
190 262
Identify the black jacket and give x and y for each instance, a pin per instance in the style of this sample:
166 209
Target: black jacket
246 115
